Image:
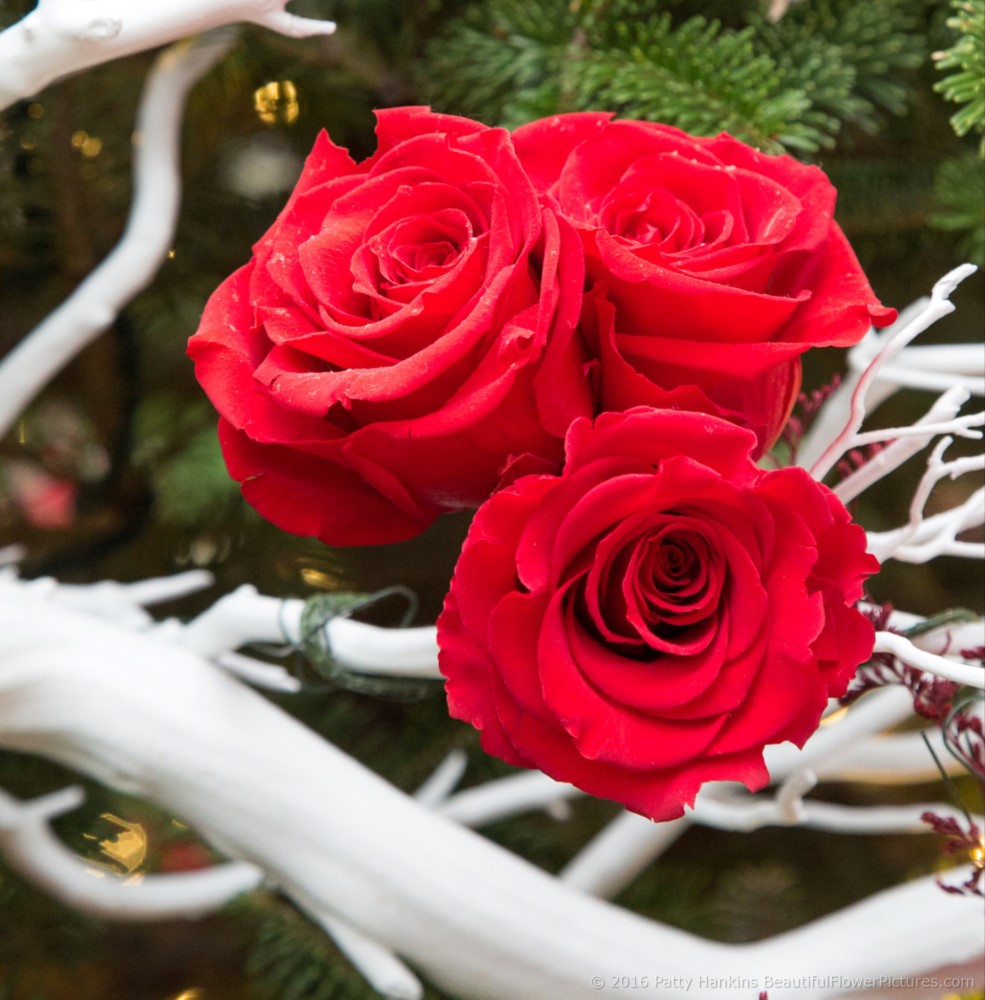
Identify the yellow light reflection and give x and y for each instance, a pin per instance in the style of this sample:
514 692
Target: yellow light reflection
92 147
79 139
836 716
28 143
129 848
276 102
318 578
35 110
172 254
978 854
193 994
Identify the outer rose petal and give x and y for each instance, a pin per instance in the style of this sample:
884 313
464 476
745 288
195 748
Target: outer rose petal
403 341
558 571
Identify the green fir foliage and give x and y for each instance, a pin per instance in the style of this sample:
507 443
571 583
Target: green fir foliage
790 85
965 85
292 959
960 195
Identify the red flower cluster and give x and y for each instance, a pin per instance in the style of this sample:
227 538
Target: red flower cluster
638 608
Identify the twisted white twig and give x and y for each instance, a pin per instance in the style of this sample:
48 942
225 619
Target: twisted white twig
94 305
936 307
29 846
61 37
895 454
953 670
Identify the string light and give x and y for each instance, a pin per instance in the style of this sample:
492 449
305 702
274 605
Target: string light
88 145
276 102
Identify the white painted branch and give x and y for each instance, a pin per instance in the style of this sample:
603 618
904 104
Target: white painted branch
922 542
945 638
960 427
953 670
935 308
94 305
747 814
439 786
381 968
505 797
615 857
162 722
61 37
894 455
940 359
28 845
902 758
957 367
910 378
259 673
245 617
124 603
11 555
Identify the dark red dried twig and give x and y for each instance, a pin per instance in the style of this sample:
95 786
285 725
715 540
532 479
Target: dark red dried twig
804 411
957 839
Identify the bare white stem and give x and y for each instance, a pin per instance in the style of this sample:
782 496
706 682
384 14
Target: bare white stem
936 307
947 526
940 666
616 856
260 674
11 555
933 381
505 797
124 603
932 533
895 454
960 427
61 37
28 845
943 639
748 814
245 617
836 741
443 781
94 305
379 966
147 593
942 359
899 759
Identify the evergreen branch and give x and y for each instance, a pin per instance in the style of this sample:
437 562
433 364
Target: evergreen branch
697 76
966 86
776 86
847 55
960 198
502 62
508 61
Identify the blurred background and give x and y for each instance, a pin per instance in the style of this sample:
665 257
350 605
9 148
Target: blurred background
114 472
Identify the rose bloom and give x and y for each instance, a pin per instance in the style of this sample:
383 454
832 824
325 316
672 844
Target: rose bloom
714 266
654 616
402 341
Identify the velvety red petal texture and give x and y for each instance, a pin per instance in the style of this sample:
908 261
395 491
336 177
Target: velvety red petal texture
711 266
656 614
403 341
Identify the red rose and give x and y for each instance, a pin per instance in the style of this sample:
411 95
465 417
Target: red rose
654 616
402 340
715 266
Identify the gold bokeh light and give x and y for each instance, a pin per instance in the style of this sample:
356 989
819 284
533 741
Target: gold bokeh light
276 102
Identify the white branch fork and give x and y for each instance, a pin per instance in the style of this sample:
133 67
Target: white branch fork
61 37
